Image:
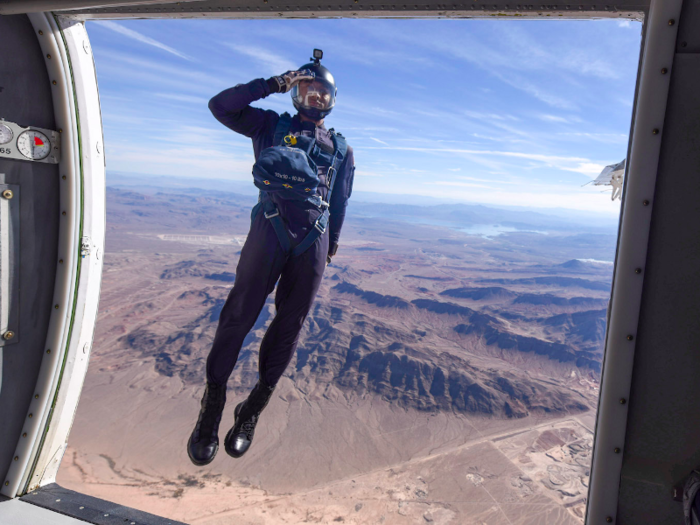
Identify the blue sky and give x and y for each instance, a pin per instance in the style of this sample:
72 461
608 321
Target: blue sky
517 113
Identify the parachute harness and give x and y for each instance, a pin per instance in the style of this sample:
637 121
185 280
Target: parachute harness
271 212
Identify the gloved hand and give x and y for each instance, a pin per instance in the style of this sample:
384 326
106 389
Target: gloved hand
286 81
332 250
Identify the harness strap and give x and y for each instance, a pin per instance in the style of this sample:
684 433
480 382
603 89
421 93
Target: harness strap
273 215
284 124
321 225
307 242
338 158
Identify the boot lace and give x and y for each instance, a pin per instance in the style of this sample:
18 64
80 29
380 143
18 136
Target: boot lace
210 417
248 426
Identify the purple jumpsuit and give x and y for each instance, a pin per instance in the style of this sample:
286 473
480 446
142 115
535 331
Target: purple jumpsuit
262 260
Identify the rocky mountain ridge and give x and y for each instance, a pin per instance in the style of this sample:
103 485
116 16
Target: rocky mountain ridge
364 355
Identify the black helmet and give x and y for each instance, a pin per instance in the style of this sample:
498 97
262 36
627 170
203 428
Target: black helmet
315 98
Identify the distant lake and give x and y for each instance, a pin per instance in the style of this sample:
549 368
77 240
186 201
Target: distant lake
494 230
483 230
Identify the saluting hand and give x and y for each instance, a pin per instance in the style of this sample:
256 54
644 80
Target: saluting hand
291 78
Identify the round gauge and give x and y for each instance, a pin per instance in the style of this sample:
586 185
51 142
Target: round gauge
5 134
34 145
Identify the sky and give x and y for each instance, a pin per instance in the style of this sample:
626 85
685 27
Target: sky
500 112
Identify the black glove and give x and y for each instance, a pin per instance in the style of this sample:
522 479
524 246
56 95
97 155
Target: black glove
332 250
286 81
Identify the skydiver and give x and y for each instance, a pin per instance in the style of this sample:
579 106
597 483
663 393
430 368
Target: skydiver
264 258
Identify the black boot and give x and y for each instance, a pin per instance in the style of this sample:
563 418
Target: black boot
247 413
204 441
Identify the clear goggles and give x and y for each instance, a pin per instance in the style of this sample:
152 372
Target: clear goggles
314 94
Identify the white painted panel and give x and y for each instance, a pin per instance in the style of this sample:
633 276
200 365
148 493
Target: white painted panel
90 250
659 48
18 512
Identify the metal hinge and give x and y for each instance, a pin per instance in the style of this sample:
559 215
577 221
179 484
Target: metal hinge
85 247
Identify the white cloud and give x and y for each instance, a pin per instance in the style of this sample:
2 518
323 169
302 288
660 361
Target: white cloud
513 50
587 168
487 137
531 156
457 183
553 118
183 98
271 60
189 161
372 128
553 196
626 102
617 138
519 82
135 35
380 141
574 164
478 115
118 68
496 181
365 173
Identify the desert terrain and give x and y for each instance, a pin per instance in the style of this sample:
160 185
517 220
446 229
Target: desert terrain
447 373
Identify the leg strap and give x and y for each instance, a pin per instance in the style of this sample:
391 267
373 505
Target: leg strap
319 229
273 214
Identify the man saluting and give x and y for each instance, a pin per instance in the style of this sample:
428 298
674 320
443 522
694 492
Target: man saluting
305 173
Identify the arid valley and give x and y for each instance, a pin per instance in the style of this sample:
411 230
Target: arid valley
447 373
